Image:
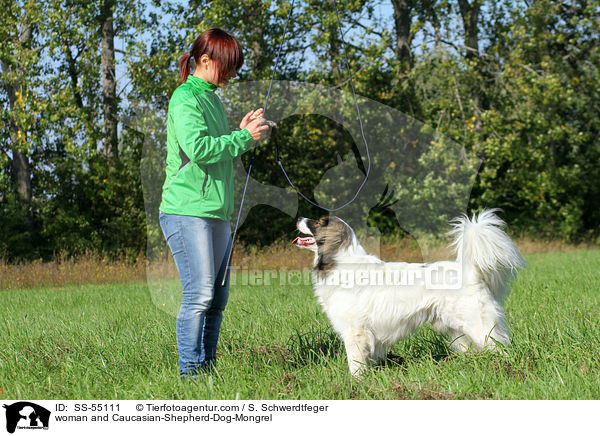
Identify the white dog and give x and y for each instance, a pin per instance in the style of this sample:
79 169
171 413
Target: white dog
373 304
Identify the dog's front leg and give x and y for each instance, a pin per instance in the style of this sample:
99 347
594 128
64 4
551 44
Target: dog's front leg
380 353
358 348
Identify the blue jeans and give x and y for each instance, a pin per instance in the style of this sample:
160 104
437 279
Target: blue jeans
200 247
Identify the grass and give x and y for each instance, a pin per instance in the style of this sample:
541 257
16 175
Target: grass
105 341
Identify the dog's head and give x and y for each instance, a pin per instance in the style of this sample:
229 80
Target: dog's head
328 237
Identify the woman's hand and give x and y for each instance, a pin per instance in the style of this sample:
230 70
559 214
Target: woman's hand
250 116
260 128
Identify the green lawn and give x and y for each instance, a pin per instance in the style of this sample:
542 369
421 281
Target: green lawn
116 341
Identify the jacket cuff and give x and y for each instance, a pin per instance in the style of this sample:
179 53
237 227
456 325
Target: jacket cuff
246 136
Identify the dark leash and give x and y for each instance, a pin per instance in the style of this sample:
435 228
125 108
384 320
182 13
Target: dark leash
279 161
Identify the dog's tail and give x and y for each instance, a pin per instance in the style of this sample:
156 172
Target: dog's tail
486 251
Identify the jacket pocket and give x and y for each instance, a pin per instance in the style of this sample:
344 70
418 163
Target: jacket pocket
181 168
205 181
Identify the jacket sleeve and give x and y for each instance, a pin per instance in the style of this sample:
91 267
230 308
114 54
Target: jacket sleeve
200 147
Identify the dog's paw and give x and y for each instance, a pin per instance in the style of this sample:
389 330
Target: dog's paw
357 370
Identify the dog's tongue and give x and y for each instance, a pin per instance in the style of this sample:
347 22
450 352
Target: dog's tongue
303 241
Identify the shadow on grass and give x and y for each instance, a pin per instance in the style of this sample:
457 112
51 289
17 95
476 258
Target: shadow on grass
314 346
425 344
318 346
301 349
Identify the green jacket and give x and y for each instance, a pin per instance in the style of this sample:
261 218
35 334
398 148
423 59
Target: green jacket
200 152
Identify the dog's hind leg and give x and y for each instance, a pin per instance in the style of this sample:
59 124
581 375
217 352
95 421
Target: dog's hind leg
459 341
489 329
358 345
489 337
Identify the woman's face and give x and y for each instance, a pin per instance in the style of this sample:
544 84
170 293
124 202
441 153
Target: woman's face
225 80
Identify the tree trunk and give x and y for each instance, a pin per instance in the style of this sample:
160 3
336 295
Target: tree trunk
72 70
109 82
402 22
470 17
21 175
254 14
20 168
333 51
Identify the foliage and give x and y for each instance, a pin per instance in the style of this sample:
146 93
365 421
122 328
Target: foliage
523 104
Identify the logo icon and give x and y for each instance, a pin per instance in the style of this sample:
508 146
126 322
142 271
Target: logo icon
26 415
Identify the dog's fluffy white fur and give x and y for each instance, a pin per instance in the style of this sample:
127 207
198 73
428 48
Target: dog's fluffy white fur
371 315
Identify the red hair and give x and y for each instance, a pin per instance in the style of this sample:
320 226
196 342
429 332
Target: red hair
218 45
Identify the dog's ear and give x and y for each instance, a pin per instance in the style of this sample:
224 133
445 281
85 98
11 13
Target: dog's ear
333 235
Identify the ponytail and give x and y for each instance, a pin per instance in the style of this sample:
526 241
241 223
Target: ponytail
184 67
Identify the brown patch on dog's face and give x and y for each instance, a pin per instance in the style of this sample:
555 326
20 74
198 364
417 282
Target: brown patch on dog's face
331 235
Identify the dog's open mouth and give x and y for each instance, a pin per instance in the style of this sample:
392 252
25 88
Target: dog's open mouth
303 241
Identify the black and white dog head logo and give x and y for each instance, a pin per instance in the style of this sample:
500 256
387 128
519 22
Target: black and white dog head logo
26 415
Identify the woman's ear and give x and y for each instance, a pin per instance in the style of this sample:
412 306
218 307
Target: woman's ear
204 60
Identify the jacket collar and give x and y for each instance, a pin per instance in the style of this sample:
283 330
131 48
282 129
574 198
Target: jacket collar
200 84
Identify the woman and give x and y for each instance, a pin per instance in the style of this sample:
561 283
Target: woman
197 196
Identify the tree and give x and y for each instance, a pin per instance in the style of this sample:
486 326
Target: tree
109 80
403 15
19 53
